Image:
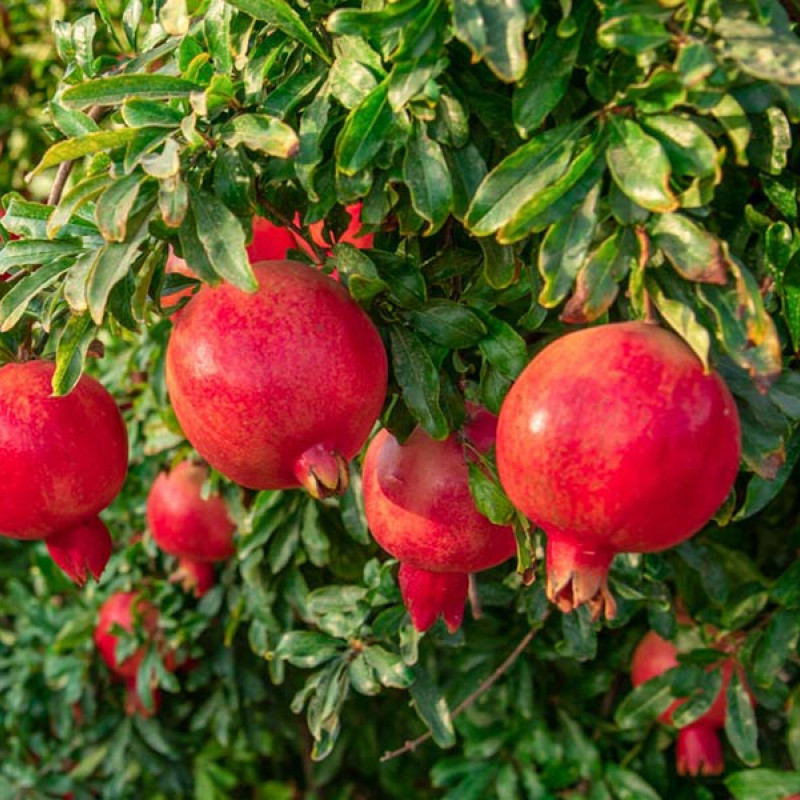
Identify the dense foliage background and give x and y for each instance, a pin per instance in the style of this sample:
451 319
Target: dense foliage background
526 166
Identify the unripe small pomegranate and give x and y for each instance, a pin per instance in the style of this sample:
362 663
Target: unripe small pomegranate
614 440
419 508
199 531
280 387
698 749
63 460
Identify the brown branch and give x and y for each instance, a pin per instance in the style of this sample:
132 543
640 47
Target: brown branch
65 168
413 744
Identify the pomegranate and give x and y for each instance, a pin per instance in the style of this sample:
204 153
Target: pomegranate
64 459
351 235
184 524
125 609
270 243
614 439
279 388
420 509
698 749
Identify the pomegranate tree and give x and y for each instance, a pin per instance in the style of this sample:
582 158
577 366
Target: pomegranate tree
698 749
197 530
64 459
280 387
419 508
615 439
126 609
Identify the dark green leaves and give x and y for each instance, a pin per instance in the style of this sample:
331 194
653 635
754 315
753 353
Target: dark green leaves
115 90
432 709
428 178
740 722
760 51
363 134
448 323
80 146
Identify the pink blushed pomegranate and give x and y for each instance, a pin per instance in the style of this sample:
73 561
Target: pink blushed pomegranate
615 440
64 459
420 509
197 530
698 748
278 388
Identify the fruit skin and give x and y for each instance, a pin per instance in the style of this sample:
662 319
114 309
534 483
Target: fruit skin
698 749
270 242
419 508
350 235
63 459
280 387
614 440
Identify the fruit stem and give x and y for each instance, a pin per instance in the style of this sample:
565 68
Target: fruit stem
322 472
576 576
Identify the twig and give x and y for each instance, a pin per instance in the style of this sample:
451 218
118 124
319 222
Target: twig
64 170
413 744
474 598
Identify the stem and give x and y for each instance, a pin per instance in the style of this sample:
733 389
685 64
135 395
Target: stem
487 684
474 598
64 170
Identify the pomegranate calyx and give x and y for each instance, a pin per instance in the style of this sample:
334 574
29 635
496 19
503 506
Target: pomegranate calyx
576 577
699 751
427 595
81 550
195 577
134 703
322 471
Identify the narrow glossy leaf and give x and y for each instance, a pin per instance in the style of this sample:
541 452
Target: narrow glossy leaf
313 125
90 143
365 131
418 377
389 667
489 497
790 295
639 166
115 90
740 722
633 33
114 206
683 319
262 133
733 119
765 784
409 78
598 280
432 708
173 201
14 304
394 16
223 240
645 703
362 677
217 25
503 347
690 149
558 200
307 649
139 113
700 700
467 170
695 253
363 280
493 31
447 323
32 252
350 81
280 14
772 138
564 249
776 646
580 637
81 193
520 177
73 345
174 17
534 98
500 265
628 785
29 220
760 51
428 179
72 123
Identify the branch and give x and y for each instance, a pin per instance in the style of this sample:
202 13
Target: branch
413 744
64 170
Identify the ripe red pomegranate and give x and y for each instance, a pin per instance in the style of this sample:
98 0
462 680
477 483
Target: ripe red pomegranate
420 509
614 440
63 460
698 749
198 531
125 609
270 242
279 388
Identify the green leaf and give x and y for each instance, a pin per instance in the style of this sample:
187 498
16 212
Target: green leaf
503 347
307 649
690 149
760 51
627 785
733 119
72 123
704 694
362 677
418 377
598 281
695 253
645 703
389 667
280 14
80 194
500 265
14 304
494 32
223 240
760 491
115 204
564 249
489 497
448 323
73 345
90 143
31 252
765 784
262 133
740 722
139 113
776 646
520 177
428 179
633 33
640 166
350 82
432 708
115 90
772 139
790 295
365 131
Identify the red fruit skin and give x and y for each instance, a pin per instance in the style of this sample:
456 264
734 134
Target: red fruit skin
196 577
184 524
350 234
81 550
119 609
614 440
260 380
270 242
419 509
